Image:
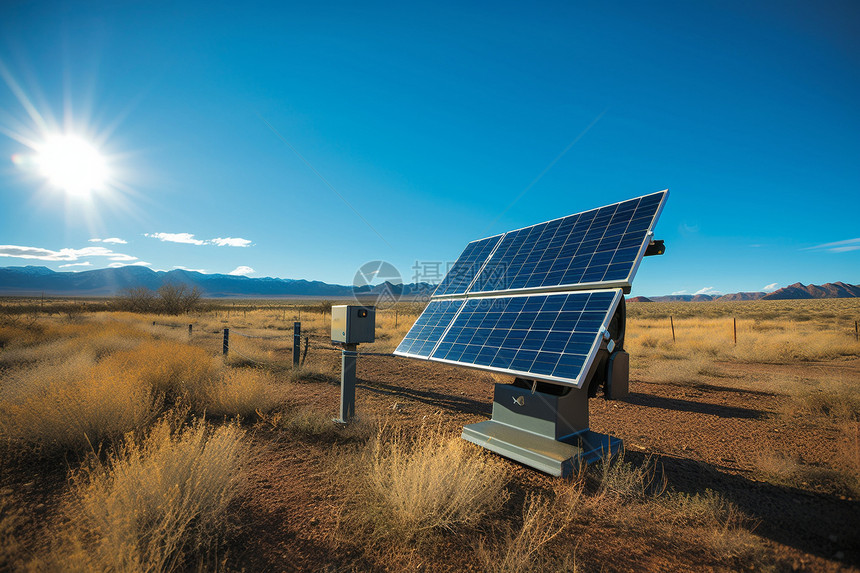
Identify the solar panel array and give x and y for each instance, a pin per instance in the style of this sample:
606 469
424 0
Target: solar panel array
486 313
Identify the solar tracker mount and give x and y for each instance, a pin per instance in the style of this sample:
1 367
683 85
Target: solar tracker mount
545 305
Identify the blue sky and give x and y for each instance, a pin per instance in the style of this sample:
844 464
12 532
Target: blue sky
301 140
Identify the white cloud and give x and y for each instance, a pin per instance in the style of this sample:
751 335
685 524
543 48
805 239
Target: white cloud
181 268
707 290
41 254
187 238
241 271
137 264
114 240
680 292
838 246
83 264
771 287
230 242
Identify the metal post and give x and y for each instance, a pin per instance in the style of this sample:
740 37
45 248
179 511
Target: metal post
735 328
347 383
856 332
189 330
297 342
672 322
226 346
395 318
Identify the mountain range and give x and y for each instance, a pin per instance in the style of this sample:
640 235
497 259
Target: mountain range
37 280
795 291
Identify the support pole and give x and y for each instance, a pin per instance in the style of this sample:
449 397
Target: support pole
226 345
347 383
297 342
672 322
735 328
189 330
856 332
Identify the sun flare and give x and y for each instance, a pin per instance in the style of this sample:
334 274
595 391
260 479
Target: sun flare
73 165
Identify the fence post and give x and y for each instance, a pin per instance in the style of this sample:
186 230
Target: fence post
297 342
395 318
735 328
856 332
226 346
189 331
672 322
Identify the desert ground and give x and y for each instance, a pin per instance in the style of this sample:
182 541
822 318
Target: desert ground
132 444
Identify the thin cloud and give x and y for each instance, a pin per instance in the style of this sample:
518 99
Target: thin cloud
837 246
677 292
771 287
83 264
231 242
40 254
113 240
707 290
137 264
241 271
181 268
186 238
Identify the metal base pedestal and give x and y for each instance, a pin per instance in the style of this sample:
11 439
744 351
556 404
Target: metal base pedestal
545 431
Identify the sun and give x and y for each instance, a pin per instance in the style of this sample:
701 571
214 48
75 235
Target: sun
72 164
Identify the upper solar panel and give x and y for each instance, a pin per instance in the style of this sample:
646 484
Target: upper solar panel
598 248
549 337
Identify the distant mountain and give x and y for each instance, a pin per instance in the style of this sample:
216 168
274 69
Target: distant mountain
33 281
639 299
683 298
828 290
742 296
795 291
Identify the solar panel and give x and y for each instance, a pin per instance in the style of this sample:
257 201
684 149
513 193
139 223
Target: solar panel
534 302
552 337
601 247
460 276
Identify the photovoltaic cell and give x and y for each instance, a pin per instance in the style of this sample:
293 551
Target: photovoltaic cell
598 246
428 329
463 272
551 337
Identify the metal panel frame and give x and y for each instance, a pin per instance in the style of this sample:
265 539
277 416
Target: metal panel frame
576 382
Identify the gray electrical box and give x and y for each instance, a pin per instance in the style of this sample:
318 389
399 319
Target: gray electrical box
353 324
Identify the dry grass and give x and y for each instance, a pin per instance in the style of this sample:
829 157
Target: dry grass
436 482
83 383
155 505
10 519
544 519
73 406
309 422
236 393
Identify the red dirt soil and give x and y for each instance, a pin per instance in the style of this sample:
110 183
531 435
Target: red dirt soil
704 437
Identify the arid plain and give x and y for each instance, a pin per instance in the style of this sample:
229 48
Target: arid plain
132 444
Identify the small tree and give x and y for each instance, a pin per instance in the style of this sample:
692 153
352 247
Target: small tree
176 298
136 299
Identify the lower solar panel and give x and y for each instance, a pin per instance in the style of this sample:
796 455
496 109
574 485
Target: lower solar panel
548 337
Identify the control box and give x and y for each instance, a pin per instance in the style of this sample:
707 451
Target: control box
353 324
